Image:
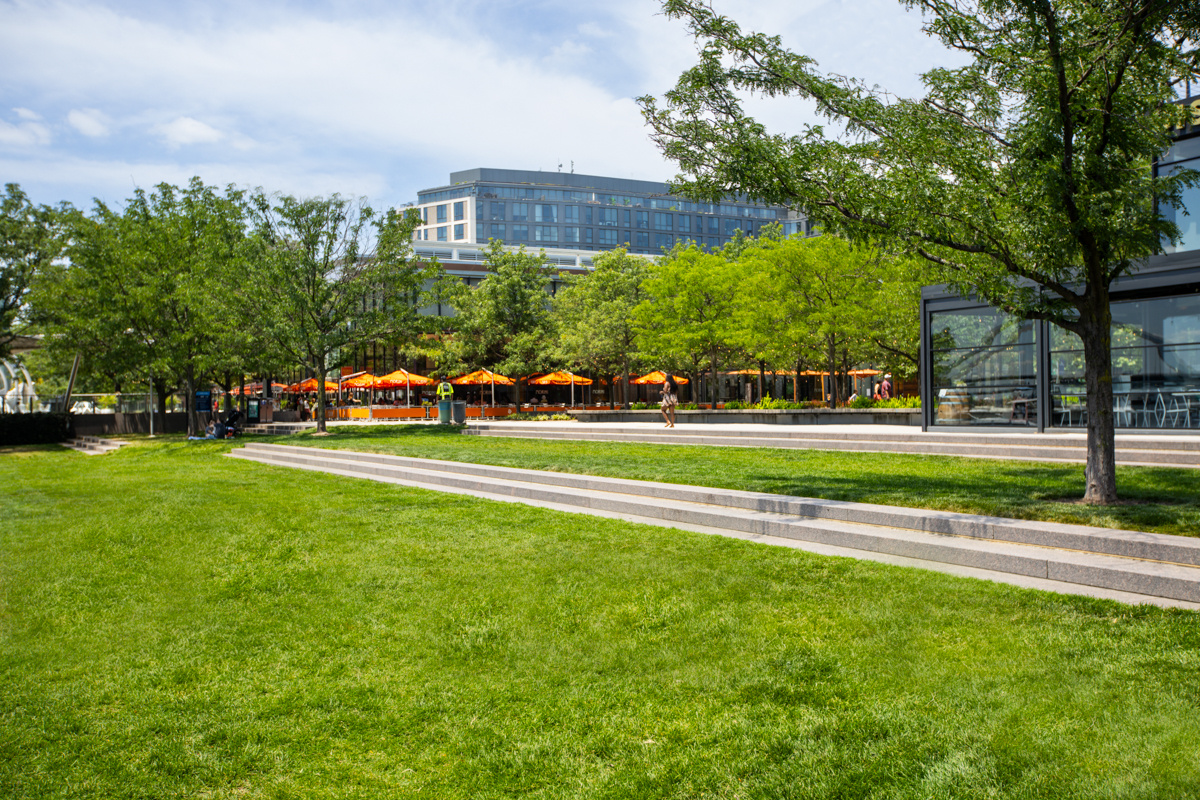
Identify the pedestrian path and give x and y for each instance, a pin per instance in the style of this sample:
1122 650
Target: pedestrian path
1159 449
1129 566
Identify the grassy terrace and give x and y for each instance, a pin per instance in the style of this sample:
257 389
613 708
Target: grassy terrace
177 624
1159 500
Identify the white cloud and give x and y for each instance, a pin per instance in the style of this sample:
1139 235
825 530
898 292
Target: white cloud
391 92
89 121
185 130
27 133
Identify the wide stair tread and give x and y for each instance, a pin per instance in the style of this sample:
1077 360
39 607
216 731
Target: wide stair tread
1155 565
1144 453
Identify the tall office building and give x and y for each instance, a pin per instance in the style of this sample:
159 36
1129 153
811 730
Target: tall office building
565 211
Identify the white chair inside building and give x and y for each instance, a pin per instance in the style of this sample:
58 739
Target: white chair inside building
1180 411
1122 410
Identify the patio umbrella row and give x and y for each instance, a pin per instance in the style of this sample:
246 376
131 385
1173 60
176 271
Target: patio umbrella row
402 378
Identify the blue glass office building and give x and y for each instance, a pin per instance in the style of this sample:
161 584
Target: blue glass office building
582 212
980 366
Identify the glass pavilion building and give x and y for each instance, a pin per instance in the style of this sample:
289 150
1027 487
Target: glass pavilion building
980 366
557 210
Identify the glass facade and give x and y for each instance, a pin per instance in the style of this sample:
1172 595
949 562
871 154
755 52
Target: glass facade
984 366
984 361
590 203
1183 155
1156 365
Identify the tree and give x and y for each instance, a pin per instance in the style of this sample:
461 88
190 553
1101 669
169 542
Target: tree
691 296
330 275
595 316
29 241
144 292
504 321
1025 175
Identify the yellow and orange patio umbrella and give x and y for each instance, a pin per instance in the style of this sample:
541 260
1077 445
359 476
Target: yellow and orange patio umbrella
483 377
310 385
562 378
402 377
364 381
656 377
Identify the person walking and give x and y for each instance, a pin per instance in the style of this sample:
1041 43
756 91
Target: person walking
670 398
885 388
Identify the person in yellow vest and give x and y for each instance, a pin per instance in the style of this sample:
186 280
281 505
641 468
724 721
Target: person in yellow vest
445 390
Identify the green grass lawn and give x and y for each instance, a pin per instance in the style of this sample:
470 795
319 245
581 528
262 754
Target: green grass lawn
1159 500
178 624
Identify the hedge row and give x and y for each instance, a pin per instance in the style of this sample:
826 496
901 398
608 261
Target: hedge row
35 428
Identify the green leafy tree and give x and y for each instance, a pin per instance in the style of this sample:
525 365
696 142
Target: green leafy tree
691 297
143 291
29 241
504 322
594 317
330 275
1025 175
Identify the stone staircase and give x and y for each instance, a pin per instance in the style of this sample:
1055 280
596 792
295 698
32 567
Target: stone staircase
1161 450
94 445
1127 565
278 428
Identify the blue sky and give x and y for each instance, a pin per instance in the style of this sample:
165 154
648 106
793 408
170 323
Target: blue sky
373 98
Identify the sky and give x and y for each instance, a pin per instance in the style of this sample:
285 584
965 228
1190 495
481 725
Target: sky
378 98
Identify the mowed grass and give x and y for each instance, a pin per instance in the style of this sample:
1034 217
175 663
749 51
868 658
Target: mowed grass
178 624
1154 499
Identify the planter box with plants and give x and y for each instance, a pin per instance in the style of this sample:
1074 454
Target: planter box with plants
901 411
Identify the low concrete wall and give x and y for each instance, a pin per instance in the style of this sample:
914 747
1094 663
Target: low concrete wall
805 416
109 424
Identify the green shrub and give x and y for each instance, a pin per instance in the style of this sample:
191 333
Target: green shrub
862 401
641 406
734 405
779 404
35 428
689 406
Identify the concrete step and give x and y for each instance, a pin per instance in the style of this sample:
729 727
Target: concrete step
1153 565
94 445
278 428
1169 451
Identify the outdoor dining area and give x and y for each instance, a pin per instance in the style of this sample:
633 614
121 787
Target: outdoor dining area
406 395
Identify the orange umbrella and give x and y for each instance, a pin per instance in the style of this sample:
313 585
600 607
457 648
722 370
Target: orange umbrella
656 377
482 376
402 377
310 385
364 381
562 378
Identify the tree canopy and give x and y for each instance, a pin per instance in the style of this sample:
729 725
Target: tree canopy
331 275
595 316
1026 175
29 242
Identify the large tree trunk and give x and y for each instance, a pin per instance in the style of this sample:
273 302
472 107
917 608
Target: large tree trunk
716 388
625 384
1096 334
831 360
320 363
160 386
